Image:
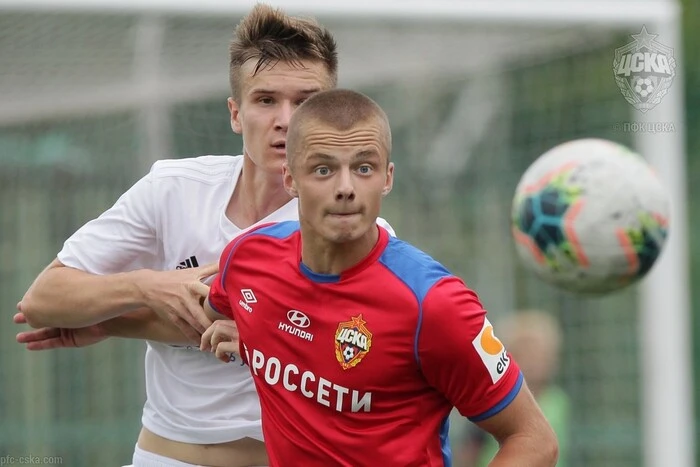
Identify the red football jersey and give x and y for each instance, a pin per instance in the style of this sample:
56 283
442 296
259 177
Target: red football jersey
361 368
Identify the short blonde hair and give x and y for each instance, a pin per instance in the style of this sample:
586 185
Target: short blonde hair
341 109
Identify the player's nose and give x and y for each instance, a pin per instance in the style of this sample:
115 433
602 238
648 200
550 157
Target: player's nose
345 190
283 115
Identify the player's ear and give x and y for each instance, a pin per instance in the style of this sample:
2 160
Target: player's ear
389 182
289 184
234 110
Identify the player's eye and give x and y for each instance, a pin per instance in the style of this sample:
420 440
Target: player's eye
323 171
265 100
365 169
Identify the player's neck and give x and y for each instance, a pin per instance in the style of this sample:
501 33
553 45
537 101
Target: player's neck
257 195
324 257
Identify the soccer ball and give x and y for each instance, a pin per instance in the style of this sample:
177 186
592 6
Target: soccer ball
590 216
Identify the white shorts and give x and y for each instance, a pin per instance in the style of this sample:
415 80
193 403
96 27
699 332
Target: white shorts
148 459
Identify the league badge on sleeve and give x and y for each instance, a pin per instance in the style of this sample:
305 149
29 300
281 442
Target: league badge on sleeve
492 352
352 342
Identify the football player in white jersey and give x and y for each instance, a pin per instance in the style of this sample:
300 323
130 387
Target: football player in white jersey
137 270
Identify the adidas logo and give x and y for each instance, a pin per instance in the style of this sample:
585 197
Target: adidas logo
190 262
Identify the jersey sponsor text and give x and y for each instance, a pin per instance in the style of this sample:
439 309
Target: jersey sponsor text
310 385
295 331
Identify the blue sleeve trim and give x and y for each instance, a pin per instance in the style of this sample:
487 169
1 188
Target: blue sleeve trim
418 329
228 260
445 442
417 271
215 309
504 402
279 229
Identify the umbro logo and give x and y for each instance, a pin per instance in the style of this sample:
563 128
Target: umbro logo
190 262
248 298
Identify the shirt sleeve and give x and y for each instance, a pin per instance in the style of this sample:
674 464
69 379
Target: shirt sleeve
123 238
459 354
218 298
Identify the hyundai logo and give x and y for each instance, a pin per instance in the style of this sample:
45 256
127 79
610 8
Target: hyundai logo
298 319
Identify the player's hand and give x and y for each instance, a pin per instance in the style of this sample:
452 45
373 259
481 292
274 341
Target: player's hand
178 296
56 338
222 339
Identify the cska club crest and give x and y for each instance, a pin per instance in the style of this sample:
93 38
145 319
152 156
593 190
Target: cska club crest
644 70
352 342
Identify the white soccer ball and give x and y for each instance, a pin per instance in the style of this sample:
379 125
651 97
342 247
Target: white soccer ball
590 216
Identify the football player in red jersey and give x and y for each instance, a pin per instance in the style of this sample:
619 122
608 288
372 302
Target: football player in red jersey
360 345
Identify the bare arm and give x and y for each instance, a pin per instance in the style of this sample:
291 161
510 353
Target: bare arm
146 324
70 298
138 324
525 437
64 297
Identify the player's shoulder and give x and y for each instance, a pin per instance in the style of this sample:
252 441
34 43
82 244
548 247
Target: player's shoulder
266 234
274 230
203 169
414 267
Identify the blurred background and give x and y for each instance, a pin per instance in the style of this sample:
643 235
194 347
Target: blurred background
91 96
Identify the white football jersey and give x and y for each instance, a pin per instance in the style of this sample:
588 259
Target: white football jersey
173 218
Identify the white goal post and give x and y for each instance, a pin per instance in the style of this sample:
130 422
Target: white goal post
664 314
